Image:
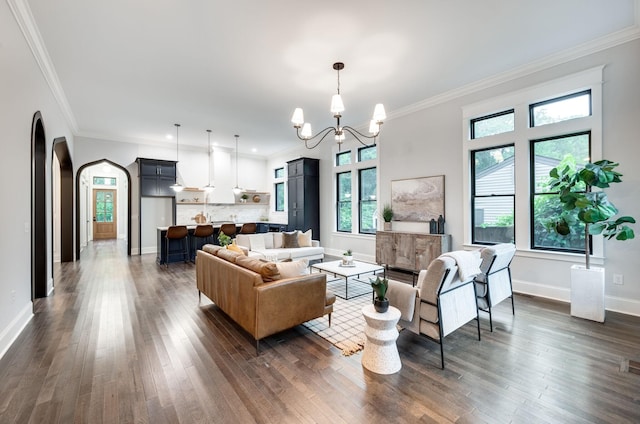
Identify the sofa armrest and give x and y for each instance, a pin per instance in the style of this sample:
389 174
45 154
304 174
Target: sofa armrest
288 302
315 243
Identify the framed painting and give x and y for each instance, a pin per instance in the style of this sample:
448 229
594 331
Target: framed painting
418 199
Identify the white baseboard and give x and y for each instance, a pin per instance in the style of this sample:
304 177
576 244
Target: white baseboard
147 250
612 303
15 327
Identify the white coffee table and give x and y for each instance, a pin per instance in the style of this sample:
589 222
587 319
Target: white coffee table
347 271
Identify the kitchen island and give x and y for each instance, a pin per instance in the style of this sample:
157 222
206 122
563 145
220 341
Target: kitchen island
174 245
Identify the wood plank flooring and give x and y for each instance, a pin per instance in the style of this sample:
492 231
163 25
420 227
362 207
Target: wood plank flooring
125 340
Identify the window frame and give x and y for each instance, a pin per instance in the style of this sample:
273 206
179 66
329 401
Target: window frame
532 106
472 122
362 202
589 79
340 202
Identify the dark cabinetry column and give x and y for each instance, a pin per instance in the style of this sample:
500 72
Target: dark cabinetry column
304 195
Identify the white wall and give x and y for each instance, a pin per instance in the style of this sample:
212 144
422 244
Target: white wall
428 142
24 92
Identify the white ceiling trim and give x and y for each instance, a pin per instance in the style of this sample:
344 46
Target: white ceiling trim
603 43
24 18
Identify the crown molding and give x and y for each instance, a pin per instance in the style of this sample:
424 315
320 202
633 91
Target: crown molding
611 40
22 13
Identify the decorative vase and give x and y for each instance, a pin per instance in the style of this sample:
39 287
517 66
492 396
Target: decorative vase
347 260
387 226
381 305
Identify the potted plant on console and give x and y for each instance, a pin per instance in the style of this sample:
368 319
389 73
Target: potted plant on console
380 302
387 216
224 239
596 212
347 258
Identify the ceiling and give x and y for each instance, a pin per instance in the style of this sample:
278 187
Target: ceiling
131 69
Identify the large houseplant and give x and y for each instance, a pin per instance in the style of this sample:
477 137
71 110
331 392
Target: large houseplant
593 209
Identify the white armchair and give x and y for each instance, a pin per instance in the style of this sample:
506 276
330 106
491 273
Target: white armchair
494 285
439 303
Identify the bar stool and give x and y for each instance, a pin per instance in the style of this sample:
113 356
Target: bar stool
228 229
201 235
248 228
177 232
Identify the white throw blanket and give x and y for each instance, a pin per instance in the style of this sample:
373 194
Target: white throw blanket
468 263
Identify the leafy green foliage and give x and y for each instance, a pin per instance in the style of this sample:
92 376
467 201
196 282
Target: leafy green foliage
380 286
387 213
593 209
224 239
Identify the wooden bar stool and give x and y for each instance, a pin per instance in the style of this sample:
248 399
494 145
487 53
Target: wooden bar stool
228 229
201 235
248 228
177 232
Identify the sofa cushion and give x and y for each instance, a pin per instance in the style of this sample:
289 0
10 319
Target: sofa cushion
211 248
267 270
290 240
228 255
304 239
235 248
277 240
293 269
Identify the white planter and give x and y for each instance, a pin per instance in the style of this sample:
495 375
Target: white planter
387 226
587 293
347 260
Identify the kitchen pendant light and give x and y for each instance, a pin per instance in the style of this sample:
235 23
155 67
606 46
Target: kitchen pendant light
237 189
208 188
177 187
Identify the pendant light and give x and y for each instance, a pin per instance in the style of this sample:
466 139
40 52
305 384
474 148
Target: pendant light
237 189
209 188
177 187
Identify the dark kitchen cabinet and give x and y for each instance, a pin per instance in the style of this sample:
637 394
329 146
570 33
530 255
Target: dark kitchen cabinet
156 177
303 187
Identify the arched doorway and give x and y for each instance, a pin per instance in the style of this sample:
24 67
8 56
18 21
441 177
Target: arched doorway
65 185
38 209
78 203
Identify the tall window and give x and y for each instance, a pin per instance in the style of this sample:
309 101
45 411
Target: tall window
344 201
569 150
493 195
512 143
279 189
368 203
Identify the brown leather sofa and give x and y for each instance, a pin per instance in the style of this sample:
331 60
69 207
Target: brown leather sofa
255 296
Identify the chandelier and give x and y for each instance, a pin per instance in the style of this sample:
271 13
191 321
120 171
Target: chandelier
337 107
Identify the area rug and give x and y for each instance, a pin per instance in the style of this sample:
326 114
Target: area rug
347 323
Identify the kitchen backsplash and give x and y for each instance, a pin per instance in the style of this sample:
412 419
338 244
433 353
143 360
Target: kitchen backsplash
250 212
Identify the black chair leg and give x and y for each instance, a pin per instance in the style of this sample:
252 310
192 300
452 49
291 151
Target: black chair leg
441 354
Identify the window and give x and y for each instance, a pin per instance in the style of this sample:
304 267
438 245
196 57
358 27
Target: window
108 181
568 150
560 109
344 201
508 156
368 204
493 195
278 189
367 153
496 123
343 158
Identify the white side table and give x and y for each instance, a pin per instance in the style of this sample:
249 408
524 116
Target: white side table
380 353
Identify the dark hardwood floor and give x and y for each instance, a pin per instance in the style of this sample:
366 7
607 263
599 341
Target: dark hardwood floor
125 340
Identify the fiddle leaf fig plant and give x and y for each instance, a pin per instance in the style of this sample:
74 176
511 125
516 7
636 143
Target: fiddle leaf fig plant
594 210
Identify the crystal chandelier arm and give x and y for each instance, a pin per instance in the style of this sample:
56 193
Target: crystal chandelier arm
357 134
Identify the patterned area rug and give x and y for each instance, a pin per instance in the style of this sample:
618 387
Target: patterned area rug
347 323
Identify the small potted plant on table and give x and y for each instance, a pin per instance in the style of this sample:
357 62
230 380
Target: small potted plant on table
387 215
380 302
347 258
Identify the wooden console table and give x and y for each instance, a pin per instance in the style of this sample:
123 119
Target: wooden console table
410 251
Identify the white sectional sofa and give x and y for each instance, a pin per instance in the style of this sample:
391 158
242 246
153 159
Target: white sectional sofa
278 245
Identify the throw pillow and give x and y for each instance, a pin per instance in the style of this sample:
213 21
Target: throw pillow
293 269
290 240
277 240
267 270
235 248
304 239
257 242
